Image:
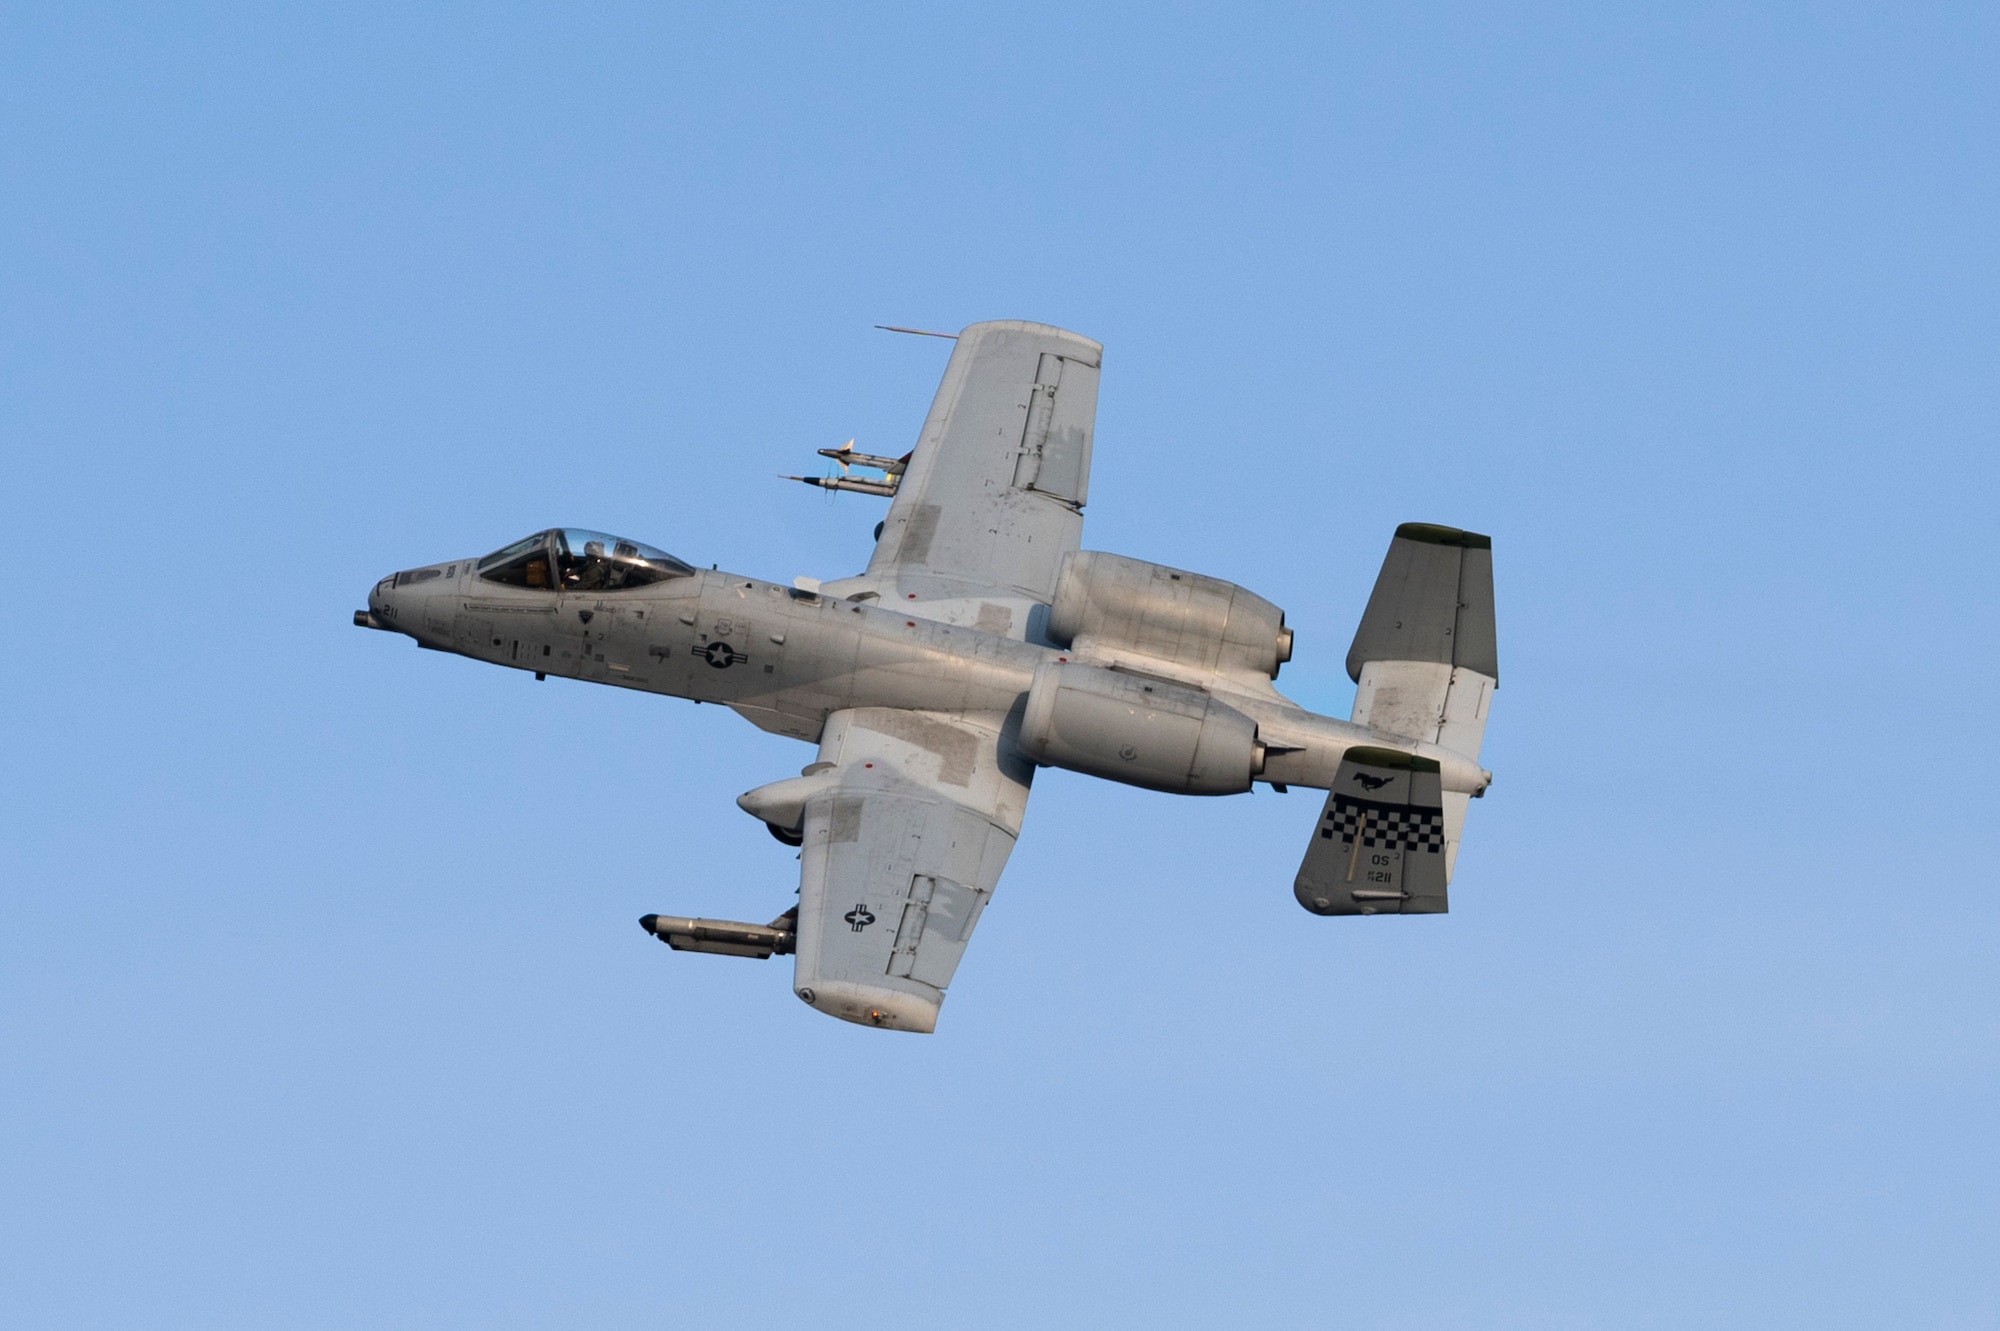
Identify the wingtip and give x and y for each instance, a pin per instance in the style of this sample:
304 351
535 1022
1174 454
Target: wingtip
872 1005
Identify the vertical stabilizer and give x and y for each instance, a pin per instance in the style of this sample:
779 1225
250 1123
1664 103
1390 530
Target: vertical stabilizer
1425 660
1379 846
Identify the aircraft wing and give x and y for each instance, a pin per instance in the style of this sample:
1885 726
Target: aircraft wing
993 495
903 848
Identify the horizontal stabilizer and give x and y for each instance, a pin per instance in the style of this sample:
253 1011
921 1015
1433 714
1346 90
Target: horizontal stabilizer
1379 848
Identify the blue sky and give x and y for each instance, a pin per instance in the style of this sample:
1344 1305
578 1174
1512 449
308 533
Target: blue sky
321 1000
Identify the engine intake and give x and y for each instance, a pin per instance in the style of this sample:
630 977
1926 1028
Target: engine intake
1109 601
1143 732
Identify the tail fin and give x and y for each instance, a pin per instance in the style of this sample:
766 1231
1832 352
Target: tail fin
1379 848
1425 660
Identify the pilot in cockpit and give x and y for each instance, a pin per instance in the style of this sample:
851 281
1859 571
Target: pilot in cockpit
592 573
580 563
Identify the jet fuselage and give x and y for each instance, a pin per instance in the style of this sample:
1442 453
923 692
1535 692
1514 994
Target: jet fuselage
787 658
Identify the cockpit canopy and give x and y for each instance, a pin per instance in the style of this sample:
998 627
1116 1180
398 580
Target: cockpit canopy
572 560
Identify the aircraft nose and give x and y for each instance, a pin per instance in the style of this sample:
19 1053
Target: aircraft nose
383 610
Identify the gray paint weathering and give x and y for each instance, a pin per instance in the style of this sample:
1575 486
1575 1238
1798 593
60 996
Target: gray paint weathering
980 643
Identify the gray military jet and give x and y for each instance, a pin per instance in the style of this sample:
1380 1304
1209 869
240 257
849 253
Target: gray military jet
981 643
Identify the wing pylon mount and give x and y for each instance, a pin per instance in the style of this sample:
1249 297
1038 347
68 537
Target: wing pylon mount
891 468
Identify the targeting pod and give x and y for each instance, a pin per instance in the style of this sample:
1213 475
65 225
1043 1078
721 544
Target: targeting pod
729 938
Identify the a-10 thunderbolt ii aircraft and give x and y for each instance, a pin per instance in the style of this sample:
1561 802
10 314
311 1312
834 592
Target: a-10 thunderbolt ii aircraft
979 644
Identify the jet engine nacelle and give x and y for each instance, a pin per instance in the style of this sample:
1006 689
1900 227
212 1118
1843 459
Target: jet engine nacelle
1111 602
1144 732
